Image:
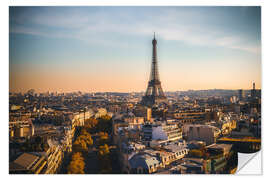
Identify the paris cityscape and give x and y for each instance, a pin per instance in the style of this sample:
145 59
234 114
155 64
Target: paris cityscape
195 127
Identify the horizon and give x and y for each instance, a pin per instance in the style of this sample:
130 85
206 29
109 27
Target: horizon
132 91
95 49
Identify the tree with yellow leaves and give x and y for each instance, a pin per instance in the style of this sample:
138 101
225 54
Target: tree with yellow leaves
90 123
104 158
77 164
79 145
104 150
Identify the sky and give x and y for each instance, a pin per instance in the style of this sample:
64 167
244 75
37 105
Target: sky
93 49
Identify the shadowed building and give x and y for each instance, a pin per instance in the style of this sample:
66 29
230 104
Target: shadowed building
253 92
154 93
241 95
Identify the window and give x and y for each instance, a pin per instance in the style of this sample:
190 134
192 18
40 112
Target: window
139 170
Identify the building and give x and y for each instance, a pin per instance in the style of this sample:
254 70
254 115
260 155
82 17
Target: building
221 156
189 117
253 92
195 166
21 128
154 93
100 112
142 111
149 161
143 163
161 131
28 163
133 121
171 152
81 116
222 148
54 156
205 133
241 94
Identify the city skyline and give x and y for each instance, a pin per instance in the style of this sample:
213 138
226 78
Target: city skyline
95 49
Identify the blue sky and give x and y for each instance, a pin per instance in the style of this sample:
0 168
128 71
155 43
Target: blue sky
109 48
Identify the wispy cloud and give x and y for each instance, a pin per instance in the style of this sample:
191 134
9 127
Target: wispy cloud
90 25
104 47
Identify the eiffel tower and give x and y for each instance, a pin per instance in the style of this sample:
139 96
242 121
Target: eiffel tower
154 93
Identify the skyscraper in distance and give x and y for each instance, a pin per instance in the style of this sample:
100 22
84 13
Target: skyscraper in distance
253 91
241 94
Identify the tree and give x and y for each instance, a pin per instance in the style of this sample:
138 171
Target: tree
86 138
104 159
83 141
77 164
90 123
79 146
105 123
104 150
103 138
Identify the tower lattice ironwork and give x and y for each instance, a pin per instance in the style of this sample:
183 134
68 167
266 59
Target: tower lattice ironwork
154 93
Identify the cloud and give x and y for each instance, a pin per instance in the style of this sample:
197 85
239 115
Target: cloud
90 25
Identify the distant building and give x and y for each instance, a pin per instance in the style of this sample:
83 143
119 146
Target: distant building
81 116
142 111
253 91
154 93
205 133
149 114
189 117
241 94
100 112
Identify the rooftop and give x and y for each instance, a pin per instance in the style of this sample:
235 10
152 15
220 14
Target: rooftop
24 161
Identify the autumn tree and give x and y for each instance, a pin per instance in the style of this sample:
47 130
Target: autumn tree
103 138
104 150
105 124
79 145
83 141
77 164
91 122
86 138
104 159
